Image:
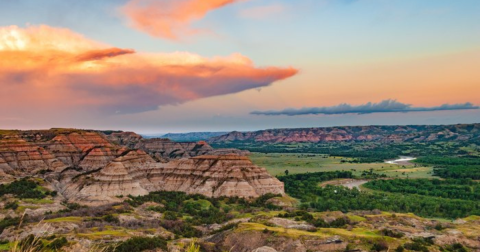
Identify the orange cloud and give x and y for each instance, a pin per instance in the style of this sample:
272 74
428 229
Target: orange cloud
169 19
55 68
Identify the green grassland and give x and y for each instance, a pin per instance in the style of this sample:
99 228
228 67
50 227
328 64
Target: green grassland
277 163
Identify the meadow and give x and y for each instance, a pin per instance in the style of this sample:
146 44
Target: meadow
277 163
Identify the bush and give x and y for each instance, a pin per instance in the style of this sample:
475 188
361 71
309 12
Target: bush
457 247
137 244
23 188
111 218
168 215
7 222
12 205
416 246
391 233
380 246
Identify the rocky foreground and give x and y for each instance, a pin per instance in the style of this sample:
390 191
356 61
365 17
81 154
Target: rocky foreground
94 168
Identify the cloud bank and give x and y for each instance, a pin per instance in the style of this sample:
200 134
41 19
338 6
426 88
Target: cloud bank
169 19
386 106
57 69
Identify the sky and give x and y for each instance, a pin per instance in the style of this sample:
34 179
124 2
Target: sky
160 66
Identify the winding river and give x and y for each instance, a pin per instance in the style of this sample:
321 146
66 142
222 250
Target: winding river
401 159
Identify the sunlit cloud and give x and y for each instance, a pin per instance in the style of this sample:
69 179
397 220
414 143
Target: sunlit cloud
45 67
169 19
386 106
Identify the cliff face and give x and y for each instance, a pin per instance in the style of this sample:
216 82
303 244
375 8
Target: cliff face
19 157
85 150
215 176
137 173
386 134
164 150
84 166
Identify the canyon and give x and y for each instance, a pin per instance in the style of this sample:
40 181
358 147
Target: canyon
94 168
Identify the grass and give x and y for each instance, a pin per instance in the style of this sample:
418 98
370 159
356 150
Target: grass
356 218
321 233
356 232
472 218
101 234
205 204
65 219
261 213
293 233
277 163
5 246
38 201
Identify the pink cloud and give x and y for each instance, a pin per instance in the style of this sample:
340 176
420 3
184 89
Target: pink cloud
56 69
169 19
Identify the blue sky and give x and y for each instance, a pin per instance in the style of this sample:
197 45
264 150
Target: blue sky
346 51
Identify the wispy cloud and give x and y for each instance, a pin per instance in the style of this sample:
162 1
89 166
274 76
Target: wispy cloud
169 19
386 106
57 69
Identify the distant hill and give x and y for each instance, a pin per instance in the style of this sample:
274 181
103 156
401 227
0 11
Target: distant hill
407 133
192 136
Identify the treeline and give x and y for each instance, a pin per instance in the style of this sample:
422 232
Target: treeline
449 161
466 167
361 152
465 189
304 185
336 198
351 150
306 188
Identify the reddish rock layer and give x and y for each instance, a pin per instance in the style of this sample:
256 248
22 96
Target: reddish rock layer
84 166
18 157
460 132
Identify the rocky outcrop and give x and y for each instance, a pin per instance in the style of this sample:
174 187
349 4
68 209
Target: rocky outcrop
136 173
87 167
73 148
127 139
164 150
264 249
386 134
125 175
215 176
18 157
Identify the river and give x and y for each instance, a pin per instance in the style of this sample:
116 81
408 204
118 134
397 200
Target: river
401 160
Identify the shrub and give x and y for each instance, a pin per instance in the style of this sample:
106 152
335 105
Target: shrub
137 244
380 246
23 188
391 233
111 218
12 205
7 222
